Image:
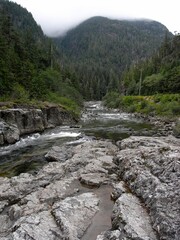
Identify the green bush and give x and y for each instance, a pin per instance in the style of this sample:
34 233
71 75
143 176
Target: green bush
19 93
159 104
112 100
66 103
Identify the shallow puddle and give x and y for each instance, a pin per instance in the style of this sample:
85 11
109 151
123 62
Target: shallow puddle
102 220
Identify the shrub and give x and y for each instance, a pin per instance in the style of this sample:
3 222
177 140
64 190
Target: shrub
19 93
159 104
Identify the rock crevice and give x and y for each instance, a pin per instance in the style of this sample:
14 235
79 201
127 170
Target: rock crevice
61 200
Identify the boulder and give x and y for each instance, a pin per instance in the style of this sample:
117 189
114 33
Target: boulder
8 133
11 134
59 154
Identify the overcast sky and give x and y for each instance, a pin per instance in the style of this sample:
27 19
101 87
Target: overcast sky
58 16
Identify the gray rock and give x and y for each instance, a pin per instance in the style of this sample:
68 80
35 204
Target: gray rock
17 122
93 179
66 219
59 154
3 204
131 219
118 190
74 214
8 133
38 226
11 134
176 128
1 138
150 167
53 204
109 235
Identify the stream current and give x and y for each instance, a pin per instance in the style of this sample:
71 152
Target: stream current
27 155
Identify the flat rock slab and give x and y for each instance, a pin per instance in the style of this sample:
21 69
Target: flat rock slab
131 219
93 179
53 204
74 214
67 219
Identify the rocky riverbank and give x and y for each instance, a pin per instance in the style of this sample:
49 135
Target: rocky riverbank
19 121
165 125
61 201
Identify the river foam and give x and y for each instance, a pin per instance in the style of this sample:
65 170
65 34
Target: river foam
35 139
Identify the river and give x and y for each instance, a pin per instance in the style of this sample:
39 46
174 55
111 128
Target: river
27 155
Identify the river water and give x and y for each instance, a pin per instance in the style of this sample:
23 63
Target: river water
27 155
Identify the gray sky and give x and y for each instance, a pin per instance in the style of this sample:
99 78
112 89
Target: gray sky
58 16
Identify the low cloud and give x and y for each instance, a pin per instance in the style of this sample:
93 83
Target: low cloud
56 17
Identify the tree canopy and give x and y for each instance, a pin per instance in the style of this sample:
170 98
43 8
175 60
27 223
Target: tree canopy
100 49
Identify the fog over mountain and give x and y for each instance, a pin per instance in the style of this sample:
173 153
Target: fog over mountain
56 17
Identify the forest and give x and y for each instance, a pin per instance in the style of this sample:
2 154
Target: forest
29 63
153 86
99 50
158 74
100 57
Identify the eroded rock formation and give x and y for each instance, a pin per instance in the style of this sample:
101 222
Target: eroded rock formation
17 122
59 202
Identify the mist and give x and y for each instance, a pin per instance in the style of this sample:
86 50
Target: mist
57 17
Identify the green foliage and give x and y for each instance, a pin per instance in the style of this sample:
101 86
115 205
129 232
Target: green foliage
66 103
160 73
160 104
112 100
100 49
19 93
151 83
29 62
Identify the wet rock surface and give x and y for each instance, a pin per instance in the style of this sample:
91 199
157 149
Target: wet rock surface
59 154
66 196
17 122
164 126
130 220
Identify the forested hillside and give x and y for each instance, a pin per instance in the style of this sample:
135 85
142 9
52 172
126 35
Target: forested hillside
98 56
29 62
100 49
158 74
153 86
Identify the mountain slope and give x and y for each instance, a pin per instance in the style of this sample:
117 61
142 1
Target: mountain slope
159 74
99 50
29 62
23 47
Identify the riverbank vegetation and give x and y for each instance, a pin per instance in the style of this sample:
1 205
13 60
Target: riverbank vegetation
97 57
158 104
153 86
